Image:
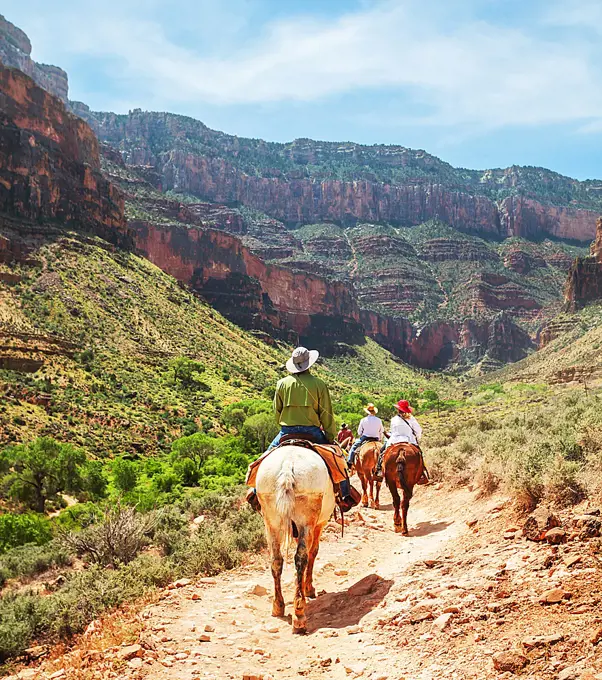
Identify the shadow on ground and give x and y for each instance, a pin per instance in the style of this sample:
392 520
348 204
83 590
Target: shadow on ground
426 528
347 607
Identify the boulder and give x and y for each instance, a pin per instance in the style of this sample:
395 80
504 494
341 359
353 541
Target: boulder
539 523
364 586
588 526
510 661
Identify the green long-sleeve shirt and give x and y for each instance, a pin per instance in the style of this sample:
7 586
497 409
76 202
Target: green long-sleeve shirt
304 399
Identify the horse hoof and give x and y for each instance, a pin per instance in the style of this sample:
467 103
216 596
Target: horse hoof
311 593
377 506
373 505
277 609
405 533
398 529
300 631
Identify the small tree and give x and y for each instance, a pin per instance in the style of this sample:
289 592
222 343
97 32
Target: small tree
125 474
196 448
42 469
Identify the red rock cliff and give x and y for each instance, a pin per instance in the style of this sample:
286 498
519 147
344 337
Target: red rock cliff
49 162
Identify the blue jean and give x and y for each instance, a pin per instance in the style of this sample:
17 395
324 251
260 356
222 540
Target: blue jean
317 434
356 444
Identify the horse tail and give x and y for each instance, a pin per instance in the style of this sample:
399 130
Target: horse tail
401 473
285 499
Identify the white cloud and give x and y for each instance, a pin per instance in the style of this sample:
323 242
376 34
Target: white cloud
473 73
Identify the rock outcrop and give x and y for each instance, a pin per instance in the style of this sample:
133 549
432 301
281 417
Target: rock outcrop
584 282
15 51
50 165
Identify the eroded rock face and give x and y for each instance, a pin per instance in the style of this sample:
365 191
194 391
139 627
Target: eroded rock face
247 290
49 163
584 282
237 170
15 51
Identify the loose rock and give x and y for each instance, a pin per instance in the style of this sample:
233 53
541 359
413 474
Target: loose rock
509 661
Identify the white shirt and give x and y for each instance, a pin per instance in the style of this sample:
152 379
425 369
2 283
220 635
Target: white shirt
371 426
402 432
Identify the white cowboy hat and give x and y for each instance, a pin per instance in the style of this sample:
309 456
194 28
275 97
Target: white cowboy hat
371 409
302 359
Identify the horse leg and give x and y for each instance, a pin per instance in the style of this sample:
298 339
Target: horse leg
371 488
377 497
310 591
404 510
301 560
362 476
277 564
396 503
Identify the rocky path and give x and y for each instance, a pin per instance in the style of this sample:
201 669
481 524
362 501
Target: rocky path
222 628
476 592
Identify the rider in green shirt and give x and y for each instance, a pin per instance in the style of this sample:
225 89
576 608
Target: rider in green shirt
302 401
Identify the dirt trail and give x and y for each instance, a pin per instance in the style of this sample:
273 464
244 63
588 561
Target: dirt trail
357 577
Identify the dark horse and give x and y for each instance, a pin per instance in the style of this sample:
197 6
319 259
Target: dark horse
403 467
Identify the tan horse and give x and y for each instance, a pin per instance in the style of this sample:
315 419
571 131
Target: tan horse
365 462
403 466
297 500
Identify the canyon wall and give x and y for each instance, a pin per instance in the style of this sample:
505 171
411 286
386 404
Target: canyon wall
49 163
15 51
237 171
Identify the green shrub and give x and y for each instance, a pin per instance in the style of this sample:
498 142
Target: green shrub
16 530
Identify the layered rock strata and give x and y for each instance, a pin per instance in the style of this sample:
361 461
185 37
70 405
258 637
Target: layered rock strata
233 170
50 165
584 282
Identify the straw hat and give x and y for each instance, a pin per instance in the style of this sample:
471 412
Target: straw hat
371 409
302 359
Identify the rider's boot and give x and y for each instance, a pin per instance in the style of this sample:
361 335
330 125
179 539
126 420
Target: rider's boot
378 470
252 500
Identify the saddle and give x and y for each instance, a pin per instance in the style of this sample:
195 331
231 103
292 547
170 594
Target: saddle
331 454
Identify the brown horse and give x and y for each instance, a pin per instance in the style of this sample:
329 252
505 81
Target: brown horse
403 466
365 463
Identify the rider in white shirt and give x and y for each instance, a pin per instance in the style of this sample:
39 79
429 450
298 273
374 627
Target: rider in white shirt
370 428
404 429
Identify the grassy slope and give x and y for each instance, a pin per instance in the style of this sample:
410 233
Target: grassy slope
135 319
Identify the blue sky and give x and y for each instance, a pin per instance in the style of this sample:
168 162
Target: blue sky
480 83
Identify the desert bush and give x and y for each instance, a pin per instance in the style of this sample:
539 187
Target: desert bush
29 560
219 543
118 538
16 530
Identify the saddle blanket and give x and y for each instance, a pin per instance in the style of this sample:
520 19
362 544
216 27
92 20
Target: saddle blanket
331 454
